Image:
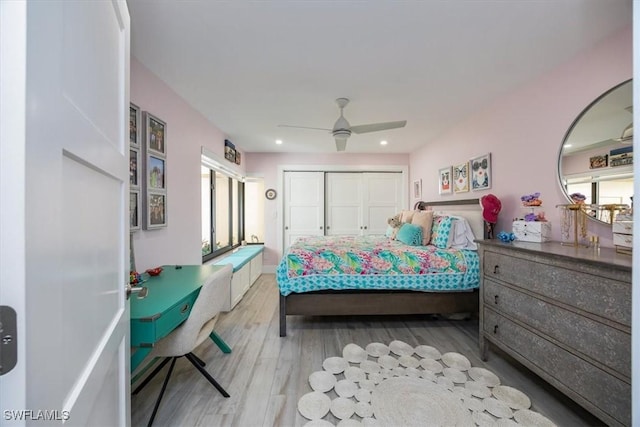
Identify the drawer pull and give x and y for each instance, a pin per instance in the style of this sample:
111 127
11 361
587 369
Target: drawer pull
184 309
495 329
496 269
495 299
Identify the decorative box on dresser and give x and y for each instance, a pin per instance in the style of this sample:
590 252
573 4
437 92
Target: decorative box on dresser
564 313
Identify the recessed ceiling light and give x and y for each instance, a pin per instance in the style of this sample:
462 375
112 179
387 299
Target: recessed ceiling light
383 142
278 141
568 145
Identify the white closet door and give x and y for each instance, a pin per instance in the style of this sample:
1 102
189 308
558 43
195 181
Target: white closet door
303 205
344 203
382 199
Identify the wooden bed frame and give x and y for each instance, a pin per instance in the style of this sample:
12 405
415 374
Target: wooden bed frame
383 302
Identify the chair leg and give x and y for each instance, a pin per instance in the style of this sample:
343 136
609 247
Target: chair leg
200 361
162 390
195 363
153 374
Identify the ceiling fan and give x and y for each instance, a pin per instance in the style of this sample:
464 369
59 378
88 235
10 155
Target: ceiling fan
342 130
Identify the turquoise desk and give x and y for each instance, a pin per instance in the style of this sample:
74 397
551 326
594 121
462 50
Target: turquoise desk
167 304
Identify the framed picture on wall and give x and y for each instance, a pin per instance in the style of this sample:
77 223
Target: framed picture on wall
156 211
134 125
134 169
445 186
597 162
229 151
156 173
461 178
481 172
134 210
155 135
417 189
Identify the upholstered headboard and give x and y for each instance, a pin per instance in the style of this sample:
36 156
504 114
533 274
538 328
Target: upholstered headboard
467 208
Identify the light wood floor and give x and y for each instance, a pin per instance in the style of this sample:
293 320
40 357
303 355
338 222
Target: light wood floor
266 374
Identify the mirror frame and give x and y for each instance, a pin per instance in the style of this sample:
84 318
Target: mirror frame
566 137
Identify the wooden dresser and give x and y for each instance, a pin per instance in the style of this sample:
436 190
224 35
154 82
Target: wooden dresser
564 313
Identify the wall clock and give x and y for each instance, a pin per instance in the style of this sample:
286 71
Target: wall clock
270 194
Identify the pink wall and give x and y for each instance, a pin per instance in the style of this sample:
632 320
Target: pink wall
266 165
524 130
187 132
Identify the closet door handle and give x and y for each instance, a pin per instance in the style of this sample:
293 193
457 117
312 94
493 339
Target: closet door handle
496 269
328 227
365 227
320 227
286 227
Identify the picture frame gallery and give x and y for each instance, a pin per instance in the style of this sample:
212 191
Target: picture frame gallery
154 181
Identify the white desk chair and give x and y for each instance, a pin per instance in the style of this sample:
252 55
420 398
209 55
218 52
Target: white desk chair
196 329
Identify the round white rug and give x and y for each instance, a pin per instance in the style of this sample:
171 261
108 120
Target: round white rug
399 385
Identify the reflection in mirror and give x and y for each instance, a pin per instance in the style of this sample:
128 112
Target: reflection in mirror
596 158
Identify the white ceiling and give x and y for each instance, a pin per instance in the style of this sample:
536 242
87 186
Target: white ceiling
250 66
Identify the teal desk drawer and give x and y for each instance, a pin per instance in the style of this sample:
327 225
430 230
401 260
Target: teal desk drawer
145 332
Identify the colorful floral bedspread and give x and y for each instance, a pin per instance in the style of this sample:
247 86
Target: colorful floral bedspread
374 262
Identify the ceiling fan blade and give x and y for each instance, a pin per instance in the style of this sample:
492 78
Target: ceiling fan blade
341 144
303 127
375 127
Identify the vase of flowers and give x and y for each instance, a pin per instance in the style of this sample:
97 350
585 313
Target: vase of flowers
531 199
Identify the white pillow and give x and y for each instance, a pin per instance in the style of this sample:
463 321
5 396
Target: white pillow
461 236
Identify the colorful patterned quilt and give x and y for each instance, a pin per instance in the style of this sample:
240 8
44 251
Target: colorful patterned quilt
374 262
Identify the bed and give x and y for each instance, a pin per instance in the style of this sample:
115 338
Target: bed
375 275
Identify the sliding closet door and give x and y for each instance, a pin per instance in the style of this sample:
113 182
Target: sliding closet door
382 199
303 205
359 203
344 203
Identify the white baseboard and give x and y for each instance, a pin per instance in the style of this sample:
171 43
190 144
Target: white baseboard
269 269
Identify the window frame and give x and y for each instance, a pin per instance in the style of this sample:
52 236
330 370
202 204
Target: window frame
214 168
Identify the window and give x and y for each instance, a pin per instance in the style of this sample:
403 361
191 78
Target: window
222 209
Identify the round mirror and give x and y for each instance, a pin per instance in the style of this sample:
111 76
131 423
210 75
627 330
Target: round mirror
596 157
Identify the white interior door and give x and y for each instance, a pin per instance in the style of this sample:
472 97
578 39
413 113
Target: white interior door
344 203
73 243
382 199
303 205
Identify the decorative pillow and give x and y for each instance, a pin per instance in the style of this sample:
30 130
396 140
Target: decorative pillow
407 216
425 220
390 231
441 231
461 234
410 234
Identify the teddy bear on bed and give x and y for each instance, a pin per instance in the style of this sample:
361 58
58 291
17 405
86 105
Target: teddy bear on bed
395 223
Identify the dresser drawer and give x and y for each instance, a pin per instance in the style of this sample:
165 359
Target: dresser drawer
605 395
624 240
607 345
144 332
622 227
594 294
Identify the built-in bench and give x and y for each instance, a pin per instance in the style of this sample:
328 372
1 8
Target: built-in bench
247 267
